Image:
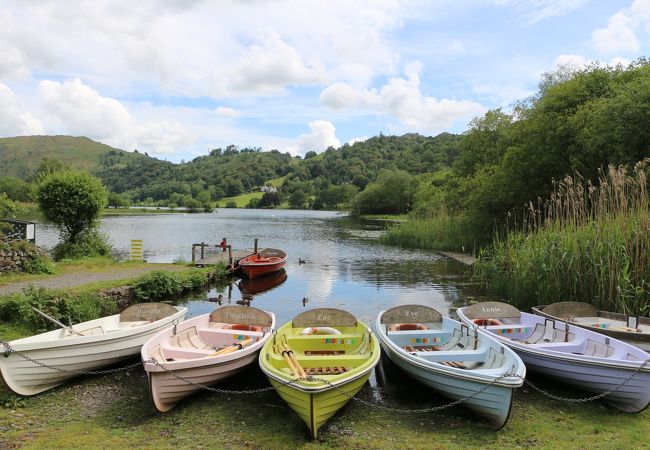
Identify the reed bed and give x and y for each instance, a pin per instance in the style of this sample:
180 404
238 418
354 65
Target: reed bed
442 232
586 243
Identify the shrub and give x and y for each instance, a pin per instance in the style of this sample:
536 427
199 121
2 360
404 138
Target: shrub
88 243
72 201
64 307
161 284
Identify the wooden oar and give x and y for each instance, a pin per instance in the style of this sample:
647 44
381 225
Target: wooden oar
292 356
289 361
234 347
53 320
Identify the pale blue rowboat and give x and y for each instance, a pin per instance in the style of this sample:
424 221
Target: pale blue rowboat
585 359
452 359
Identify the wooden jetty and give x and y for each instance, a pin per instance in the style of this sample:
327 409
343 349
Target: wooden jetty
460 257
223 257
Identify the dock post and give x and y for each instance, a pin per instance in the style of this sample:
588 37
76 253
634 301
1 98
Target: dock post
202 250
255 246
193 257
230 257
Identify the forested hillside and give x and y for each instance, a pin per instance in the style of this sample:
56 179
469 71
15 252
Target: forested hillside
21 156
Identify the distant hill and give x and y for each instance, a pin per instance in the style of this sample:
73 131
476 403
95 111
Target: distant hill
20 156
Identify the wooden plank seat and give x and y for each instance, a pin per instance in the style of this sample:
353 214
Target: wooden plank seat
334 370
421 348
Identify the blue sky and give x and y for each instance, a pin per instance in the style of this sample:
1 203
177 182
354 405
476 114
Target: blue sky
176 79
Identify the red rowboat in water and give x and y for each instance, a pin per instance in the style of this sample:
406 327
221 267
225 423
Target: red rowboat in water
261 263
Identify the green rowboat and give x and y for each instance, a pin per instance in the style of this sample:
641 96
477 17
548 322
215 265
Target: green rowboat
319 361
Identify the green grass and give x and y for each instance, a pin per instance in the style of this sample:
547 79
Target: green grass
114 411
19 155
439 233
395 217
241 200
139 211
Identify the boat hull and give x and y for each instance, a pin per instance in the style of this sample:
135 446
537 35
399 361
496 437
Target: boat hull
625 371
316 408
258 270
493 404
170 381
166 389
73 355
632 397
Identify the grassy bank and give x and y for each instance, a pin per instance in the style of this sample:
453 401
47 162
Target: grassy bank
591 244
114 411
443 232
87 301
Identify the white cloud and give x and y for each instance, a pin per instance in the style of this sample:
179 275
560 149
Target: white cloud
538 10
321 137
80 110
215 49
358 139
14 118
227 113
618 36
576 61
402 99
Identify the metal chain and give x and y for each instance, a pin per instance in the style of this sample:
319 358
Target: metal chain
9 349
592 398
213 389
415 411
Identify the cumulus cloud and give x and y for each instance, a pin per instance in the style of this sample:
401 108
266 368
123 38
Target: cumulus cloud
401 98
218 50
15 120
578 62
620 33
321 137
80 110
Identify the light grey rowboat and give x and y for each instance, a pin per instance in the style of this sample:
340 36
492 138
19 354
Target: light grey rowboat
585 359
452 359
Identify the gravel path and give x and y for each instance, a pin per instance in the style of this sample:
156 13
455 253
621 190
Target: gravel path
85 277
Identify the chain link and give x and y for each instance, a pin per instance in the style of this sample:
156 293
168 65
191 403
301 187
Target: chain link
8 350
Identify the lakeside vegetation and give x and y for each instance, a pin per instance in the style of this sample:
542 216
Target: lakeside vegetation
585 243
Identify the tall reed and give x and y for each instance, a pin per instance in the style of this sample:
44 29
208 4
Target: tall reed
442 232
585 243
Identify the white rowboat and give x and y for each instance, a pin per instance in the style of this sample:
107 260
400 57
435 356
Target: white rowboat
93 345
452 359
588 360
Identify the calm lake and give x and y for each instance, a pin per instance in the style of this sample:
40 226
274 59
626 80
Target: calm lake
345 267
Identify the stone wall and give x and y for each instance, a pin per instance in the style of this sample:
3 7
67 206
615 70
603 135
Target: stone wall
12 260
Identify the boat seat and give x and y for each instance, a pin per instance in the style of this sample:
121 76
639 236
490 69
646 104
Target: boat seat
157 354
189 338
631 357
453 340
598 349
535 337
88 332
173 352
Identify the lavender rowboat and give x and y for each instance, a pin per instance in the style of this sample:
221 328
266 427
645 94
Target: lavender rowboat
588 360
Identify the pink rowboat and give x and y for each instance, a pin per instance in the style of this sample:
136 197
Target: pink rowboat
261 263
203 350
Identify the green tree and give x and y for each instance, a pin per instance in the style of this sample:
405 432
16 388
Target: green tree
72 201
298 199
118 200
